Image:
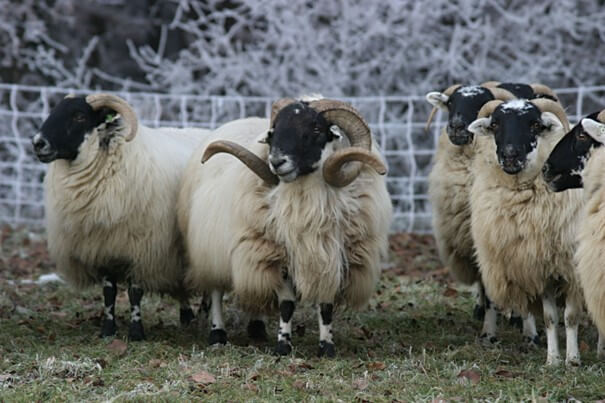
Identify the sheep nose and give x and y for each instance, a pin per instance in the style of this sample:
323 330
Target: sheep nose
40 144
277 161
510 152
456 123
545 169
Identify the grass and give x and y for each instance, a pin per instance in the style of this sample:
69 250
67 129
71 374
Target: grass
416 341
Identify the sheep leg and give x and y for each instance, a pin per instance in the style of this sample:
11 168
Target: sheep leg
479 310
135 295
256 328
326 345
550 322
218 335
185 313
490 322
572 319
286 298
529 330
108 328
601 346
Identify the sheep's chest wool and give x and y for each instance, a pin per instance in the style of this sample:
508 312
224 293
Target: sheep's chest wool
524 235
450 183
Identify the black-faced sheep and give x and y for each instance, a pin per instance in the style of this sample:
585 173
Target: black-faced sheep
578 161
306 216
110 200
523 233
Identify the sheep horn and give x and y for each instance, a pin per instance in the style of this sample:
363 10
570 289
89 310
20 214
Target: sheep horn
500 93
97 101
251 160
336 176
488 108
449 91
278 106
544 90
546 105
601 116
490 84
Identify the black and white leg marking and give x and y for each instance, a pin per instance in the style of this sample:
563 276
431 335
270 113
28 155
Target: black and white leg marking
490 322
185 313
218 335
286 298
135 295
529 331
108 327
326 344
479 310
551 321
572 320
257 330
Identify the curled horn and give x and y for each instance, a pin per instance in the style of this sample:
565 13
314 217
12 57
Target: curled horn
500 93
358 132
278 106
544 90
546 105
97 101
251 160
488 108
601 116
449 91
490 84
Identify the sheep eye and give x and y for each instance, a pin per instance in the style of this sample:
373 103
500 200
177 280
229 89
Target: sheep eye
79 117
582 136
536 126
493 126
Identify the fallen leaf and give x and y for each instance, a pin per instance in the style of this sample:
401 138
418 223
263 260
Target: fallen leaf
250 386
155 363
203 377
361 384
299 384
376 365
504 373
450 292
584 347
118 347
470 375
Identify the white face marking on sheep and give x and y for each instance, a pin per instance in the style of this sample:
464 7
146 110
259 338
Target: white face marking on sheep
521 106
470 90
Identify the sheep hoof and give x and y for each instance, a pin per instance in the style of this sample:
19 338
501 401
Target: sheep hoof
186 316
135 331
553 361
488 338
326 349
533 342
283 348
516 321
573 361
217 336
479 312
257 330
108 328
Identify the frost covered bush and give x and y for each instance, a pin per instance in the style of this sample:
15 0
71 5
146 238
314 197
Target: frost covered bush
277 47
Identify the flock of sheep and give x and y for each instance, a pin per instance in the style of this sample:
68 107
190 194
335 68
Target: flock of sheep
295 208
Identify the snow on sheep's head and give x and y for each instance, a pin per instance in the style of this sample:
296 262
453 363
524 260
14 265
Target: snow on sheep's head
563 168
74 118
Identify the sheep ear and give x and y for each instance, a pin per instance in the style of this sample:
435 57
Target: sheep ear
336 132
594 129
438 99
551 121
264 139
480 127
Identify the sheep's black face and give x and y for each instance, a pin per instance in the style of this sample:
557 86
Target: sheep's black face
296 141
566 161
516 126
463 106
64 130
519 90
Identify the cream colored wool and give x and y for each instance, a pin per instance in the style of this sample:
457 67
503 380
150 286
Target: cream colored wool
329 240
524 234
112 211
450 184
590 255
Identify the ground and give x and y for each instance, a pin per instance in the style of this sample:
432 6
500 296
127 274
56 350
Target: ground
415 341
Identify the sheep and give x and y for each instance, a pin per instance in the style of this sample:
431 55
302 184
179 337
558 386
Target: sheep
306 217
523 233
577 161
110 201
450 182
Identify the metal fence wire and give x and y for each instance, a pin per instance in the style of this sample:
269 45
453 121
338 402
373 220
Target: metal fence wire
396 121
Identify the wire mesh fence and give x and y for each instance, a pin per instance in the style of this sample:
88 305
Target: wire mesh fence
396 121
